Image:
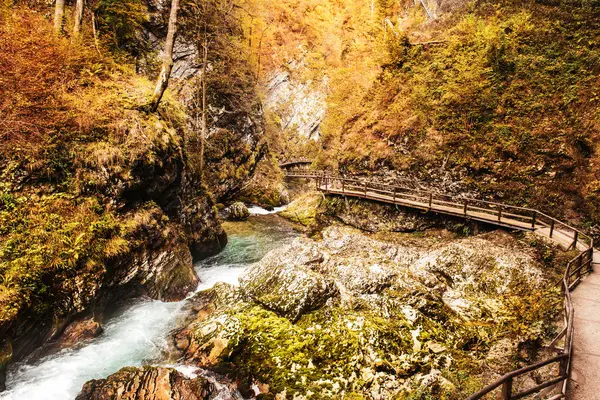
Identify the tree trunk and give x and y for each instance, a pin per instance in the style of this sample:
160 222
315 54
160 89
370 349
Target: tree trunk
78 17
167 64
204 128
59 13
259 60
95 33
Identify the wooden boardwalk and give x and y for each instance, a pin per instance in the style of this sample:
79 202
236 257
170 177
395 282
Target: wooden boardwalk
578 355
585 374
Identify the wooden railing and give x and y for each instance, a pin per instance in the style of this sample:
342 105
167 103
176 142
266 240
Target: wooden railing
300 161
505 215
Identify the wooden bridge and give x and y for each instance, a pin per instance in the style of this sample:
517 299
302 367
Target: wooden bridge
300 164
566 359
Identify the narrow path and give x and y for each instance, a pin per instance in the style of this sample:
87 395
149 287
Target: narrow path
582 330
585 374
560 236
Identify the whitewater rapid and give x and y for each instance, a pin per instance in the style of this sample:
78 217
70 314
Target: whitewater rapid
138 334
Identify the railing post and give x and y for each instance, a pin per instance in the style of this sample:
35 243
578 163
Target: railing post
343 186
430 200
327 185
394 196
579 262
365 188
563 368
552 228
533 220
575 240
507 389
466 207
500 214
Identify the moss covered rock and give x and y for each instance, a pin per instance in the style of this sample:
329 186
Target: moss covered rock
237 212
404 316
285 282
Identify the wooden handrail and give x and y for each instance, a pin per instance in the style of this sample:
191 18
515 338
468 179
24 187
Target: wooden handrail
496 213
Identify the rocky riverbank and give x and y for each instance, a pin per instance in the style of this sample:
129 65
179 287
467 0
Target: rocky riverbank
147 383
378 316
139 238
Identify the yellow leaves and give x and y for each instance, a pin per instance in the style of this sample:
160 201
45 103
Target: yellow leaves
116 247
51 239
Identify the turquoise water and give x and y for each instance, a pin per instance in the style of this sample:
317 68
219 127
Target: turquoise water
138 334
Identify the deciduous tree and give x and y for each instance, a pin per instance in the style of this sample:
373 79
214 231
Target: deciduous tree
78 16
167 63
59 14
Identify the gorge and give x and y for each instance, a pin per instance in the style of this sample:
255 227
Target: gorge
298 199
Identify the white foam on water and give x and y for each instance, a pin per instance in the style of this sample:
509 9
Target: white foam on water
138 335
256 210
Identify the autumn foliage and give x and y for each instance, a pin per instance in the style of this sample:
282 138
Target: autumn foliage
37 70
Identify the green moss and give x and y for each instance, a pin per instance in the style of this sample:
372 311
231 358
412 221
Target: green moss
303 210
327 352
321 349
508 102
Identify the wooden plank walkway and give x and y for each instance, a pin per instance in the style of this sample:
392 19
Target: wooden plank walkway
579 356
562 237
585 374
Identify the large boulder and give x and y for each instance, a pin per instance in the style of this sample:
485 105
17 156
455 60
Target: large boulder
149 383
237 212
284 282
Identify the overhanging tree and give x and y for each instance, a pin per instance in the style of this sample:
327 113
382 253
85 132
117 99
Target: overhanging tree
167 62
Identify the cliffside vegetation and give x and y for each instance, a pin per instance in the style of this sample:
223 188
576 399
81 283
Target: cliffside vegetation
98 196
65 117
494 98
499 96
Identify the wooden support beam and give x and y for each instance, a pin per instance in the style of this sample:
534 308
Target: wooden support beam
507 389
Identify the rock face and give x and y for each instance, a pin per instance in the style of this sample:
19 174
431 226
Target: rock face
235 142
376 217
313 211
300 106
78 331
149 383
287 284
237 212
377 316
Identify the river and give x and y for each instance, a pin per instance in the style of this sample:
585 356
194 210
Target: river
137 334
